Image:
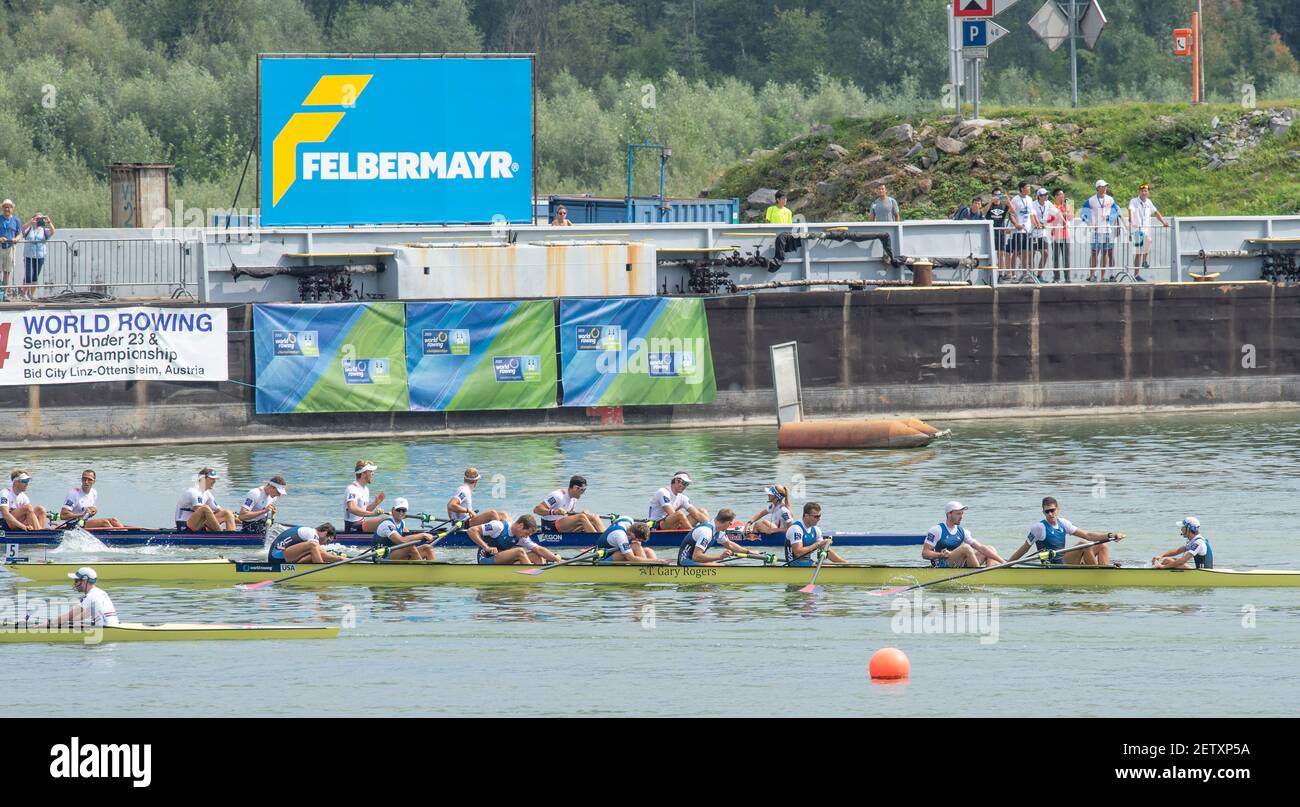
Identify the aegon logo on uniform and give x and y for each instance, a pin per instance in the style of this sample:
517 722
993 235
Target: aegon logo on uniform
400 165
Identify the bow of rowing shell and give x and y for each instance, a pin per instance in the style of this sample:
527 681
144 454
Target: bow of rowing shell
226 572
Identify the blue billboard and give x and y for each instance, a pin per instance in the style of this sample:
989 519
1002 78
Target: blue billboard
395 140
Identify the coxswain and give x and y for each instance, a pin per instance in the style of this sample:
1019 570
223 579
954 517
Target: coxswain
694 550
391 531
624 541
559 512
1050 535
303 545
259 504
18 511
360 512
804 538
671 509
950 545
776 517
94 610
461 505
504 543
81 505
198 511
1196 549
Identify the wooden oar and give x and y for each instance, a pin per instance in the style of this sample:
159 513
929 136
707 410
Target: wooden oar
364 555
1043 556
812 587
539 569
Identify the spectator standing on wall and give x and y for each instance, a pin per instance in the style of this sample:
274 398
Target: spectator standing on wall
10 228
561 217
972 212
1061 235
997 213
1140 211
36 233
1102 215
1023 224
885 208
778 213
1044 219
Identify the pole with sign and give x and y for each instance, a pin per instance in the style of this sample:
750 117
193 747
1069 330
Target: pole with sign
977 34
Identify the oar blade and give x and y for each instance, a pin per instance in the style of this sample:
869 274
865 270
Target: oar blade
253 586
811 588
889 592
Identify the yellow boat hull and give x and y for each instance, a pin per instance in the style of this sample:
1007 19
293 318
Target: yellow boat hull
225 572
134 632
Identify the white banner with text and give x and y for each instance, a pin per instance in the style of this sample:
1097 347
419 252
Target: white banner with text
140 343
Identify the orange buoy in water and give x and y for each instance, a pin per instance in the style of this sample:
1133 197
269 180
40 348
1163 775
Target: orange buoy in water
855 434
889 663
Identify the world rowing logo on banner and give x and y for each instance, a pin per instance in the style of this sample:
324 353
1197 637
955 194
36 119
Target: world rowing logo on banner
445 342
588 337
671 365
366 371
296 343
517 368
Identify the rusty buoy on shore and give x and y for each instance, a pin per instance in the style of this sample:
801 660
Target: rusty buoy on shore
902 433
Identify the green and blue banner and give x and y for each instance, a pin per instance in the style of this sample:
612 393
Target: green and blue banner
330 358
635 351
481 355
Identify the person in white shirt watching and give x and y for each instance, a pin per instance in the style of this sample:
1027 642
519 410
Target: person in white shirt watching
1140 211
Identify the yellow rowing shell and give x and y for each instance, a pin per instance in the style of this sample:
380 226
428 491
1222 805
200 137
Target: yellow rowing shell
219 572
134 632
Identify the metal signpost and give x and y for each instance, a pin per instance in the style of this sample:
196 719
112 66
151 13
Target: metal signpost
977 33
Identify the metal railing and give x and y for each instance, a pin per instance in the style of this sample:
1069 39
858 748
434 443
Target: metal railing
145 268
1082 252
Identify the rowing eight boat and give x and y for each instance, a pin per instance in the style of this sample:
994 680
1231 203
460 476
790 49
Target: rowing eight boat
134 632
170 537
221 572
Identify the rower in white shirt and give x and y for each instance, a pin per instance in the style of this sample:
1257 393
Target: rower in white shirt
776 517
950 545
501 542
461 506
16 510
559 511
670 509
96 608
82 505
198 511
259 504
360 512
1196 551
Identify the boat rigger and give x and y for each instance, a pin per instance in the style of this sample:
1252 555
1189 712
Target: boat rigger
401 573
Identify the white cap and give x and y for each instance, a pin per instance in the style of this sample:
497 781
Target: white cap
281 489
771 490
682 475
1191 523
1101 183
953 507
84 573
1042 191
9 202
366 467
401 504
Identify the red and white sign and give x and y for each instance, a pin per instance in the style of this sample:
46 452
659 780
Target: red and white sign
972 8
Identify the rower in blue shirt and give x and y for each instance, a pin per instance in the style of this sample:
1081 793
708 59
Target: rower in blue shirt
1197 549
950 545
1051 532
804 539
624 540
694 550
302 545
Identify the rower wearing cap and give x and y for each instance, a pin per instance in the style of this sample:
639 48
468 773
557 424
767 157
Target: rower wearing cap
501 542
1196 550
259 504
804 538
694 550
670 509
81 505
625 541
303 545
390 531
360 513
198 511
1051 532
950 545
18 511
558 510
95 608
461 506
776 517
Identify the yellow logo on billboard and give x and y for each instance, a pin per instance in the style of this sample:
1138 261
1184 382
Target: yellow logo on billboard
311 127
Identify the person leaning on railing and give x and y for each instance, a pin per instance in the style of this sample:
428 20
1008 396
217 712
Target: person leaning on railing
1140 211
36 233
